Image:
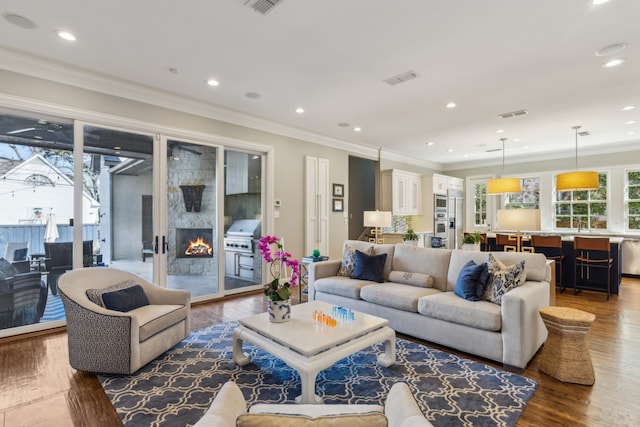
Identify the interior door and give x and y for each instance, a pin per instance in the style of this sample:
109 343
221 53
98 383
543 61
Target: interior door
316 204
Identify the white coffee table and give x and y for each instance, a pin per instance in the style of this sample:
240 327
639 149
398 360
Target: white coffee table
309 347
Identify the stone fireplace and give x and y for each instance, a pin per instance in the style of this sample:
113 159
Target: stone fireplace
194 242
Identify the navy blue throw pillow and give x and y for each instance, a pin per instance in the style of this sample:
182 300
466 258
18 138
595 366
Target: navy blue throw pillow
369 267
471 281
126 299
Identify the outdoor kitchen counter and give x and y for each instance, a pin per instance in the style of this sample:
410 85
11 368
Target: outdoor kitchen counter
598 278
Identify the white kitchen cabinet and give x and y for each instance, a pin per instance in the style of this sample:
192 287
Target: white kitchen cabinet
401 192
440 184
456 184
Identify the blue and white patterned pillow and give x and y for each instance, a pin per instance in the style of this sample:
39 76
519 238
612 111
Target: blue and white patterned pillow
349 262
502 279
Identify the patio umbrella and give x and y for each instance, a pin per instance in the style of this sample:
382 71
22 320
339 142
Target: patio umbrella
51 230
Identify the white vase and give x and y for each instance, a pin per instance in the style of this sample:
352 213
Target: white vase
279 311
471 246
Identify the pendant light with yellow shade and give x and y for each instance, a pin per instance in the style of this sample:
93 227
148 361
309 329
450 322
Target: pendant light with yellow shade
578 180
503 185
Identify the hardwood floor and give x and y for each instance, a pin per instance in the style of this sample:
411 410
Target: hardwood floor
39 388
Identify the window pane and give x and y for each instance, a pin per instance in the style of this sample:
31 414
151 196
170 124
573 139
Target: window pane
634 208
634 223
634 178
580 195
634 193
563 221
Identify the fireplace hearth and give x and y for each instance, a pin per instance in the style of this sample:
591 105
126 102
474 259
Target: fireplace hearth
194 242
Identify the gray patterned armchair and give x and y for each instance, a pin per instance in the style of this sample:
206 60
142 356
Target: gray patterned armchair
118 322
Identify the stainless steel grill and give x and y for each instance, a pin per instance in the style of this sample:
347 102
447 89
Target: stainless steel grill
239 247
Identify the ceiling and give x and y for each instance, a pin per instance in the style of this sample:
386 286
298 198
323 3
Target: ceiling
331 58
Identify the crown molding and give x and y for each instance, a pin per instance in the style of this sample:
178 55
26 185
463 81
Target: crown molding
59 72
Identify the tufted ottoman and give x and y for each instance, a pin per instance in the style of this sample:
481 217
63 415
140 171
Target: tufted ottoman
565 354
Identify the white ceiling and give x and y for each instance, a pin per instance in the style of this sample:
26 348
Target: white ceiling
331 57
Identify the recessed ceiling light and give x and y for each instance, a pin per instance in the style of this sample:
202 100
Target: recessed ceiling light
357 129
66 35
526 147
20 21
117 147
430 143
631 122
300 110
465 155
598 2
612 49
499 130
630 133
628 107
213 82
516 140
614 63
451 105
449 150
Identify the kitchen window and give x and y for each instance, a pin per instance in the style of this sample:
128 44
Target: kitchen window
480 204
529 198
583 210
632 197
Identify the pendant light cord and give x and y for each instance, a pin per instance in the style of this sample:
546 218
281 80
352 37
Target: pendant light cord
503 140
576 129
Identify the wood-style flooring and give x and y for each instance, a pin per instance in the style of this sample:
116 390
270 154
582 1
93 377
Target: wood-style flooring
39 388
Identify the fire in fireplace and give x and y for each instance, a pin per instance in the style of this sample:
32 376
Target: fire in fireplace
194 242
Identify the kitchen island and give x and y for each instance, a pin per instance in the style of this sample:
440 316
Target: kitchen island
597 280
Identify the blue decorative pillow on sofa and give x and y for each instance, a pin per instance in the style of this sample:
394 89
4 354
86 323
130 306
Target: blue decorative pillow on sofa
126 299
472 281
369 267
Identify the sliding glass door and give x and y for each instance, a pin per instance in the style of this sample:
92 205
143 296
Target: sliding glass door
118 177
191 226
181 213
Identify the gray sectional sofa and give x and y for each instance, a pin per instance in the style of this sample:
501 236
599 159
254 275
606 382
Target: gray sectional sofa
421 301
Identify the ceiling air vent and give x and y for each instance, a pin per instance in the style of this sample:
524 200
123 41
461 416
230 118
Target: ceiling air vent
401 78
493 150
584 133
513 114
262 6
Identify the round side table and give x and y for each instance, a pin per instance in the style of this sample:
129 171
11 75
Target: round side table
565 354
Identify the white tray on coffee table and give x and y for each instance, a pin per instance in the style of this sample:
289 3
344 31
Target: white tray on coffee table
309 347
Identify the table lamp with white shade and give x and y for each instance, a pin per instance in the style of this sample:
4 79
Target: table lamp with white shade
518 220
377 220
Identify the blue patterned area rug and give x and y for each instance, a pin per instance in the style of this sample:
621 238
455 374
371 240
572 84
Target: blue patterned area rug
177 388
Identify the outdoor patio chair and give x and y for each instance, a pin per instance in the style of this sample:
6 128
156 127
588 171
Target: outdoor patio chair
59 259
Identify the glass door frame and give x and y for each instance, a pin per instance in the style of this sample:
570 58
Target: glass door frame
160 215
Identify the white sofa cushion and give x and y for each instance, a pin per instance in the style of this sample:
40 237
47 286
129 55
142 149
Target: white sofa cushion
433 262
279 420
449 307
155 318
342 285
395 295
